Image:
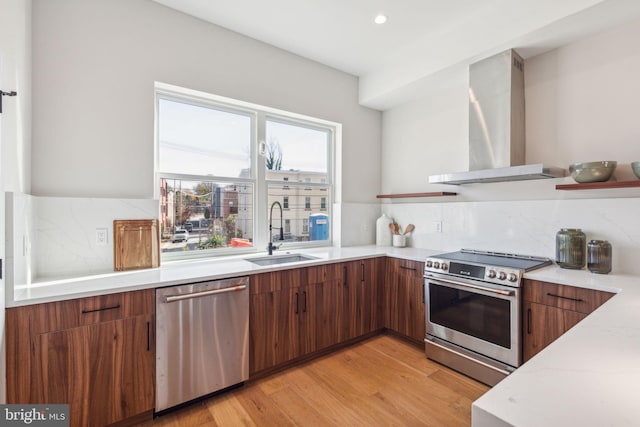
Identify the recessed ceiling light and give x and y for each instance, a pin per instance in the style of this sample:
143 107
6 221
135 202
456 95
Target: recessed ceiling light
380 19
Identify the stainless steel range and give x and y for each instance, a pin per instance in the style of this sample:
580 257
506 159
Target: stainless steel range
473 311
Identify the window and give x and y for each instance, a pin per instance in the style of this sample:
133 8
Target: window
208 149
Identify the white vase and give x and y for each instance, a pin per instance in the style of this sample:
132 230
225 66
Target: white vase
383 233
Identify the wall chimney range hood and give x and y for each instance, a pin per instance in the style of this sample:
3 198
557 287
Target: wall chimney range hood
497 125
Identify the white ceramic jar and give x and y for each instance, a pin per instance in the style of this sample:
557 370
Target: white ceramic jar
383 233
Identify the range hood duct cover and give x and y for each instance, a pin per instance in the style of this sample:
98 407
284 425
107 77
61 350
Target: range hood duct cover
497 125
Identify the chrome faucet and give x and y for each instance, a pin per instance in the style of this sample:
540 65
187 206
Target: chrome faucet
271 246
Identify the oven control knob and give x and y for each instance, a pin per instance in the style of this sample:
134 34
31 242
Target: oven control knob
436 264
512 277
492 274
444 266
429 263
502 275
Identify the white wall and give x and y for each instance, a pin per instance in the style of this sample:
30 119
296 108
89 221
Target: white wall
95 62
15 125
581 105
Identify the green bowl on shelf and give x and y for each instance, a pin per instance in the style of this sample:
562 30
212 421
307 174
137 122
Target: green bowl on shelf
635 166
592 171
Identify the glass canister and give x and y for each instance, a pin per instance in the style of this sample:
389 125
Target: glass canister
570 248
599 256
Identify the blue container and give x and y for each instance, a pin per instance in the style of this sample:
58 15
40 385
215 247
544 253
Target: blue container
318 227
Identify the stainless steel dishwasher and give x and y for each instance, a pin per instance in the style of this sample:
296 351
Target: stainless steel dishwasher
202 339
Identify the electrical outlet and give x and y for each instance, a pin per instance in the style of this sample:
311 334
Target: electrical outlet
102 236
437 226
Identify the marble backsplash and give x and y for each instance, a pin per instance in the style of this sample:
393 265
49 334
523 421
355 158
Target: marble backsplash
49 237
524 227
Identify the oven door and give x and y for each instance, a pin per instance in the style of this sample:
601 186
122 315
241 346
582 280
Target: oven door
481 317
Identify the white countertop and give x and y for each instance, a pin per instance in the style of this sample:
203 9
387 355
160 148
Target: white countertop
590 376
180 272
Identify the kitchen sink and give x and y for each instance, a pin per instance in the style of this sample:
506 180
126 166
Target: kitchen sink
280 259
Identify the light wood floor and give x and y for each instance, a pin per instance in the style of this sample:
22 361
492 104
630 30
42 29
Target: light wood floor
380 382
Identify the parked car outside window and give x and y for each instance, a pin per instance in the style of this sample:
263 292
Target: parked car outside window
180 235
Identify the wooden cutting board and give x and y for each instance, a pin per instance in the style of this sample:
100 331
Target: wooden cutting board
136 244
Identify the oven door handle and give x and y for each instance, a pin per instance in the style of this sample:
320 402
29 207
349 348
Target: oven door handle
476 287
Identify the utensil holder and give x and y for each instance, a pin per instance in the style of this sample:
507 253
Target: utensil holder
399 240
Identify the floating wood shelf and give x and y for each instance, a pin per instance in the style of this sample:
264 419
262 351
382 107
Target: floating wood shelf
599 185
407 195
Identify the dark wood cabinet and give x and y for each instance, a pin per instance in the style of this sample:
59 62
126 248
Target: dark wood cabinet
297 312
549 310
404 297
325 283
96 354
274 328
362 298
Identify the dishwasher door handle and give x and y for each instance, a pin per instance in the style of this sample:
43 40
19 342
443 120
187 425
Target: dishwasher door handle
181 297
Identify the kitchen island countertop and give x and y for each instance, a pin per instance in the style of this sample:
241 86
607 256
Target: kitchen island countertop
590 376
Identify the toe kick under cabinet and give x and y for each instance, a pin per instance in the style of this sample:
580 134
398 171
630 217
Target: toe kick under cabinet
96 354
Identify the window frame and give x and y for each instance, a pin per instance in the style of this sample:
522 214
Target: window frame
259 117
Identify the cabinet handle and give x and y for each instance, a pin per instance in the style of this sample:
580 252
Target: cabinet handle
562 297
148 336
362 272
115 307
408 268
296 303
424 296
304 302
528 321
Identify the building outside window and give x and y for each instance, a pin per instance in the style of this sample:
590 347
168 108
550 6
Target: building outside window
207 149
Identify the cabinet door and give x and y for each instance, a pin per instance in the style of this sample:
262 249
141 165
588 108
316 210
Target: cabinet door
543 324
104 371
309 312
264 326
361 298
404 296
417 321
392 296
330 312
353 290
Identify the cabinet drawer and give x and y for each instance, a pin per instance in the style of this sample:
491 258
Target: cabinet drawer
276 281
56 316
326 272
565 297
406 267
